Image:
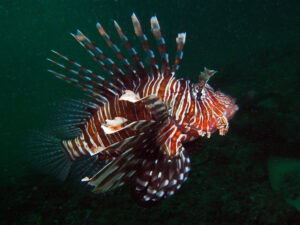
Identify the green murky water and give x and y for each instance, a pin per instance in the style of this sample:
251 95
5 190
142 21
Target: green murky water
251 175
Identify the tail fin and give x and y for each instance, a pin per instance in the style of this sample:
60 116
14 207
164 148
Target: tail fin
47 155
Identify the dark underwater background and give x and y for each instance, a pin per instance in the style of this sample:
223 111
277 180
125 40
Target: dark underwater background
250 176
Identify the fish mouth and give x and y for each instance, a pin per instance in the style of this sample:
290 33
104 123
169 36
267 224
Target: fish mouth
231 111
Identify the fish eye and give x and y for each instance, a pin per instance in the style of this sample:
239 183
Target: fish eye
199 95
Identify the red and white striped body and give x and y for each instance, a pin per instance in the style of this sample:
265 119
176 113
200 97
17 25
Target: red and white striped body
189 117
139 122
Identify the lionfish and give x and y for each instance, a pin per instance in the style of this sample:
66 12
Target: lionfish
133 128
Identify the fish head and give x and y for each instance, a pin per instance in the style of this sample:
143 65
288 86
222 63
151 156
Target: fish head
213 109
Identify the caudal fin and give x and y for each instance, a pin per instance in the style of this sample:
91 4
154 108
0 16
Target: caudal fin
46 153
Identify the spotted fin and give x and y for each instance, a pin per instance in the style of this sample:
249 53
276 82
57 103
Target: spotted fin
160 177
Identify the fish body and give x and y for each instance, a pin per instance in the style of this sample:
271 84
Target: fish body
137 123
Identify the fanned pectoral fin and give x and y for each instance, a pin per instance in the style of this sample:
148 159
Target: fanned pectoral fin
151 105
128 153
139 128
119 170
157 108
114 174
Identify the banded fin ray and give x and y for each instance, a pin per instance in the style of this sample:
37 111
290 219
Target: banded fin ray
142 74
94 77
127 80
119 170
161 44
102 91
145 45
180 41
107 64
95 89
100 99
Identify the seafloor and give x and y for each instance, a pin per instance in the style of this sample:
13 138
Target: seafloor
250 176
